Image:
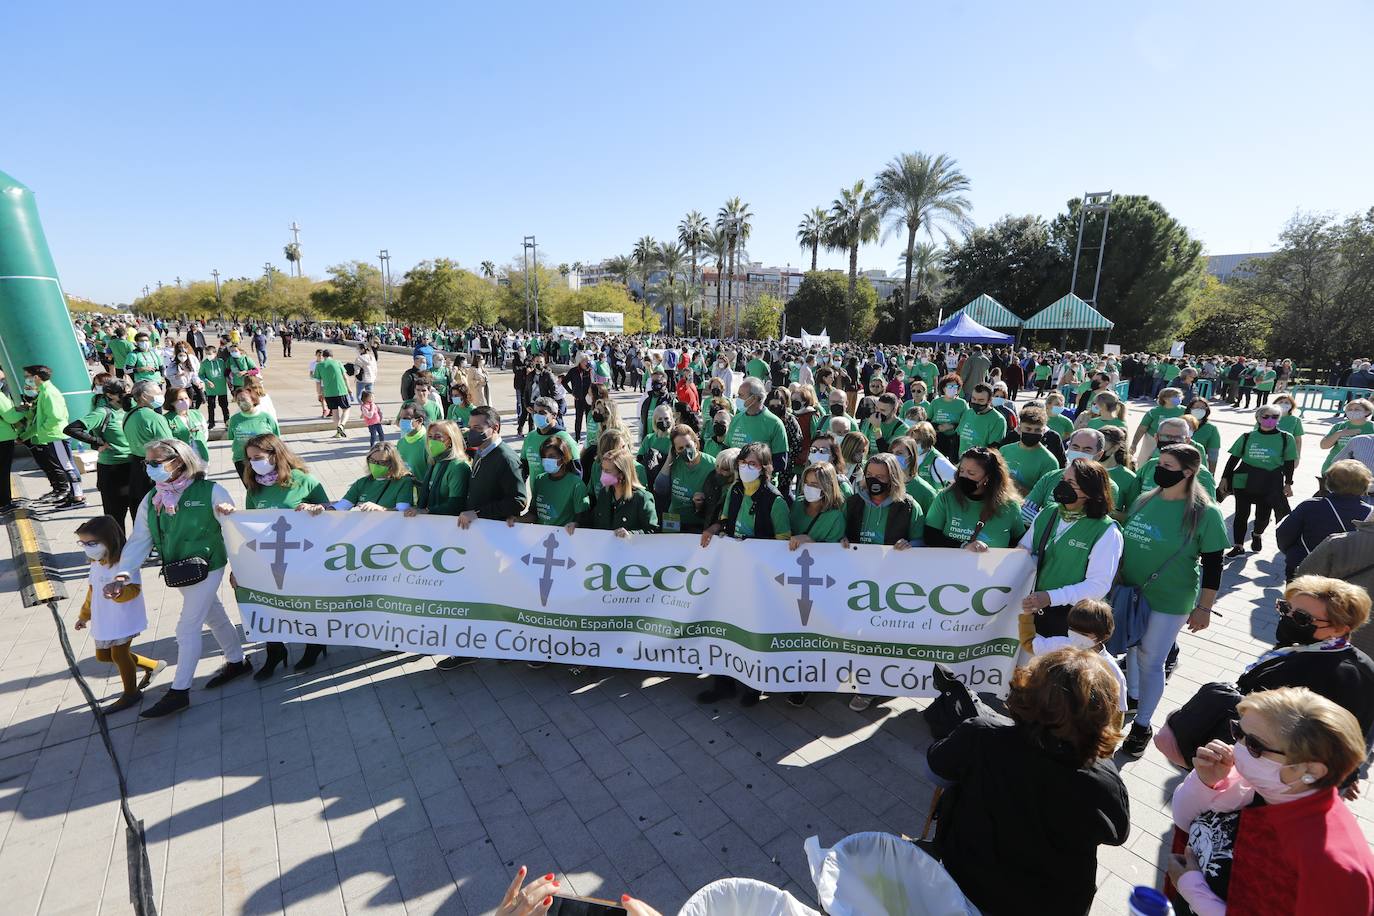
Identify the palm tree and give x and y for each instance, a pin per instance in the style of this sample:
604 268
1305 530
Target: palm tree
925 267
622 267
489 270
645 256
811 232
714 242
691 234
854 219
671 257
293 257
564 270
920 192
733 218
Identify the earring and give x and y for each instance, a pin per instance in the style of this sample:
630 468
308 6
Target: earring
1308 779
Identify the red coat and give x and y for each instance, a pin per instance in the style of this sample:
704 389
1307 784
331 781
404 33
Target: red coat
687 394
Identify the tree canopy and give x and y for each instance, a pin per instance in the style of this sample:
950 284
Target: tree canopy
820 303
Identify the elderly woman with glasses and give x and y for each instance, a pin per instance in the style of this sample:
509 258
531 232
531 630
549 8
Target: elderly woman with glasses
1317 616
1263 827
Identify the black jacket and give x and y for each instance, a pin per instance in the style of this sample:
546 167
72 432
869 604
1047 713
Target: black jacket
497 489
1020 830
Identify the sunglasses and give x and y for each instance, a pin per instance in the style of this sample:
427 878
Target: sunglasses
156 464
1252 744
1301 618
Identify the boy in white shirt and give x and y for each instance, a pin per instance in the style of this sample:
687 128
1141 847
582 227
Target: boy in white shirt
1090 626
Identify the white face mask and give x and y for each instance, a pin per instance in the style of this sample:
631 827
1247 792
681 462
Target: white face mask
1284 408
261 465
1356 416
1081 640
748 473
1200 412
1070 454
94 551
1265 776
812 494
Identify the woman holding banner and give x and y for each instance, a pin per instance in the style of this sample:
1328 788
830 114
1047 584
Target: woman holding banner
443 490
688 472
979 509
387 486
276 478
623 505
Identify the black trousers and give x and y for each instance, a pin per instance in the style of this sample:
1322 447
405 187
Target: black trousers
579 411
223 400
1265 505
6 460
112 482
56 462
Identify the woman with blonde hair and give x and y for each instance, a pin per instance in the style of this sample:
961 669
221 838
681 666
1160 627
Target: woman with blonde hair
818 517
623 505
1168 404
1106 409
1266 829
853 448
443 490
387 486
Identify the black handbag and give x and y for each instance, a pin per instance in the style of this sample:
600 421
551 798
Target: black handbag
180 573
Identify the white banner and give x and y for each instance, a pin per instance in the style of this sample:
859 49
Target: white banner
815 340
570 331
864 620
610 322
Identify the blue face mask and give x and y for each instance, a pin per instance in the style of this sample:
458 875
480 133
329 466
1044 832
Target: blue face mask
407 426
551 465
739 405
157 402
1057 409
901 461
158 473
541 421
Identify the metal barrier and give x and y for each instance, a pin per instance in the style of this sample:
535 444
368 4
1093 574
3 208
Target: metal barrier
1326 398
1203 388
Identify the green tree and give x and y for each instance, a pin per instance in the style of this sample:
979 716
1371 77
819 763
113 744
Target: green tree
429 293
547 287
921 193
1150 268
852 221
671 258
1218 320
761 318
1014 261
692 231
1316 290
735 221
823 302
603 297
645 256
811 232
353 292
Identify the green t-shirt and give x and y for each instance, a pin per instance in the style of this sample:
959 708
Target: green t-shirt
433 410
921 491
1208 438
654 442
1291 424
191 430
744 522
1099 422
559 500
873 525
330 374
760 427
386 493
926 371
1060 424
242 427
825 528
212 373
1028 465
120 348
1362 428
1123 479
756 368
947 411
112 434
1267 451
459 414
145 365
302 487
981 429
1152 417
1042 493
686 480
143 425
530 450
1152 535
1042 371
957 520
414 452
1264 381
1145 481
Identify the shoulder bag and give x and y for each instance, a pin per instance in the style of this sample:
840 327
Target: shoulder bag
1131 611
178 573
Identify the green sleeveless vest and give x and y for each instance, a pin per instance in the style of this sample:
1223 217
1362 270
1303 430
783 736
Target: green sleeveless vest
193 531
1065 560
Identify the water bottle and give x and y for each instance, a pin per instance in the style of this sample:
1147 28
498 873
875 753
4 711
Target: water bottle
1146 901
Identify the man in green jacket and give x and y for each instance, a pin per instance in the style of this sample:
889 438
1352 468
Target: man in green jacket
46 412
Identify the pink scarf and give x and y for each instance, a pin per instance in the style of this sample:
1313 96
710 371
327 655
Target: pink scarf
167 495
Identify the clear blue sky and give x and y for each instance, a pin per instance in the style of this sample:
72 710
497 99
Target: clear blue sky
166 139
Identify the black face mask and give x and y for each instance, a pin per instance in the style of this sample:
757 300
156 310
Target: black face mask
798 405
1064 493
967 485
719 429
661 424
1096 384
837 410
658 386
1291 633
1165 477
875 486
981 408
1031 439
777 409
599 416
475 439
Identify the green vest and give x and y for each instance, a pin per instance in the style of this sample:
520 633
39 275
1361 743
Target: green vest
193 531
1064 560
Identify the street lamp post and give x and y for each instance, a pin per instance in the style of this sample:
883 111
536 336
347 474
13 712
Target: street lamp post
532 249
215 274
384 258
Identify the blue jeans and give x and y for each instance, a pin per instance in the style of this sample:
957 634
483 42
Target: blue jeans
375 433
1145 663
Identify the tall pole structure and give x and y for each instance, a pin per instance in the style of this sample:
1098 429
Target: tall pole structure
525 255
213 273
296 241
384 259
532 249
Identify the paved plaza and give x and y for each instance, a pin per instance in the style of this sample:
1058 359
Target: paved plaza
375 783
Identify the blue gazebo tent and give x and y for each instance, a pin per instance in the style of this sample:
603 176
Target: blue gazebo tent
960 328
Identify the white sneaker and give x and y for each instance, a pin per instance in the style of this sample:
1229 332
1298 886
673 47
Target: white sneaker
860 702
